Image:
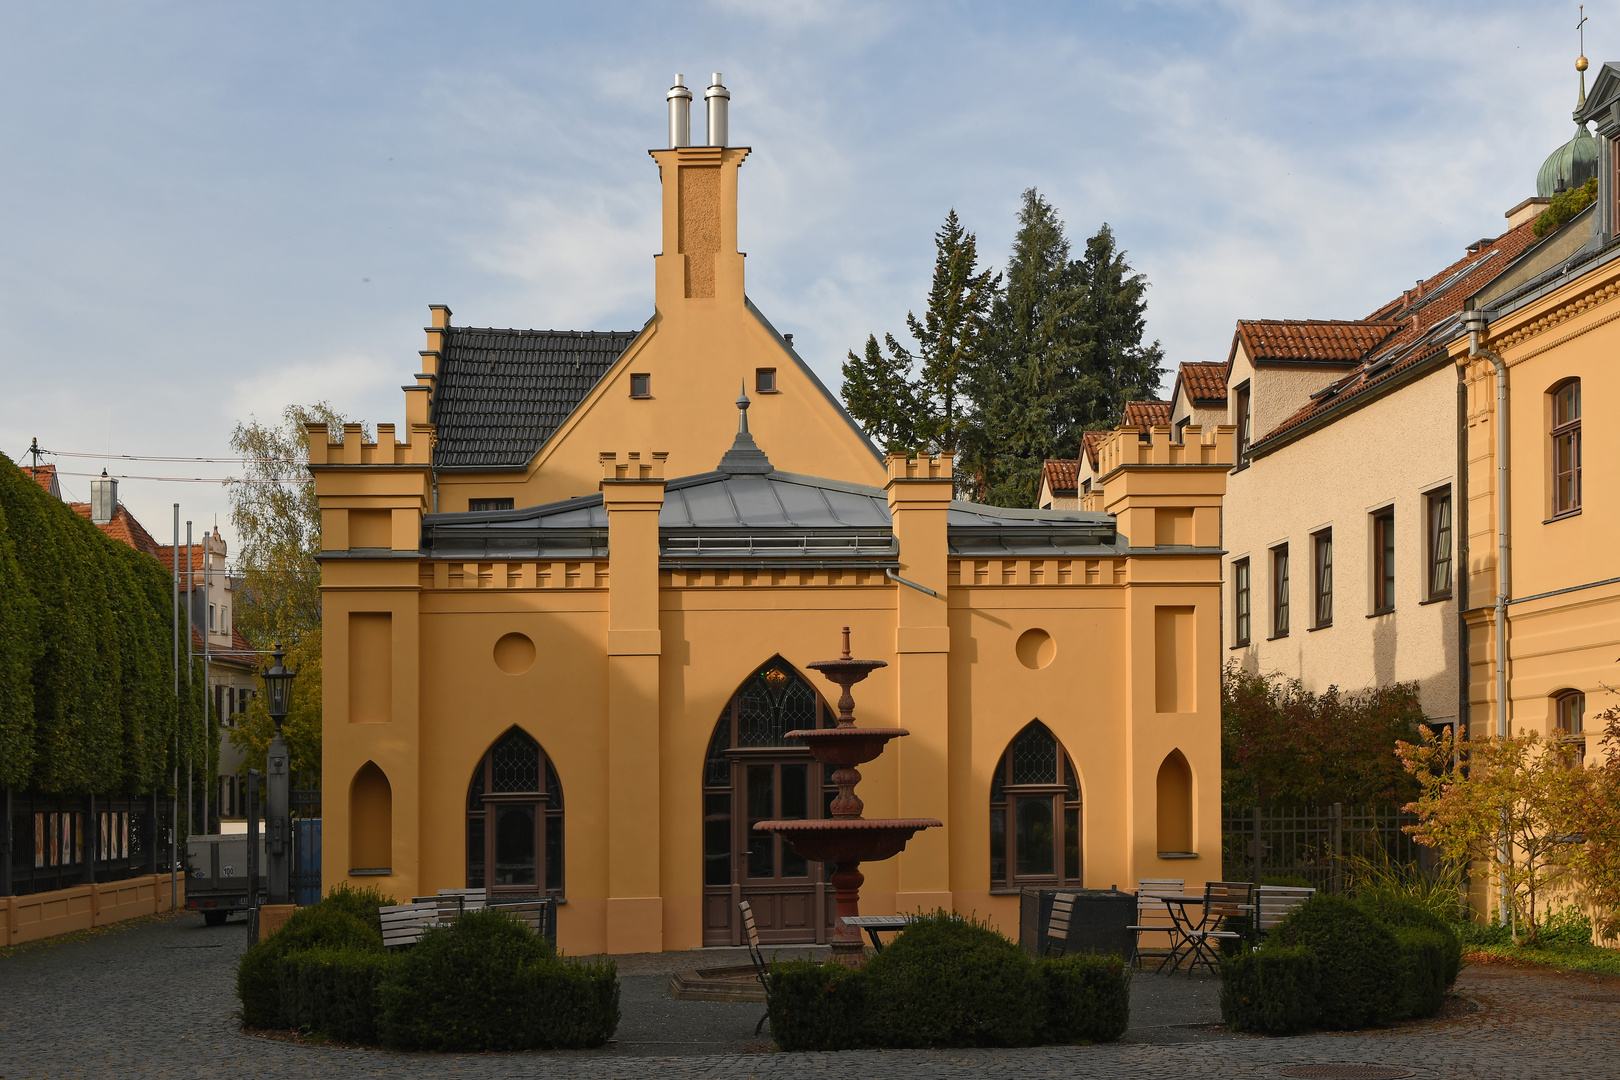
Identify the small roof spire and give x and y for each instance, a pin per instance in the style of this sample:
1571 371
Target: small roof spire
744 456
1580 61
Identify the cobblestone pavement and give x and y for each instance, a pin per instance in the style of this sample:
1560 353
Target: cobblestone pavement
156 1001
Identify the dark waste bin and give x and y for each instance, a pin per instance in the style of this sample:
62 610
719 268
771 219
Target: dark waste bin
1099 922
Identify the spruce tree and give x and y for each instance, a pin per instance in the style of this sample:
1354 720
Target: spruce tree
1114 312
950 334
879 394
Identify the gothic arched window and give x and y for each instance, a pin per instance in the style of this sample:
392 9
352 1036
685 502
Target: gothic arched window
515 819
1035 822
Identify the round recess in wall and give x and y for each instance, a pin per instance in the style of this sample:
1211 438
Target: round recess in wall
1036 648
514 654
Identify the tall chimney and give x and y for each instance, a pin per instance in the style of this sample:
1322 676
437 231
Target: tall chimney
718 99
103 498
680 113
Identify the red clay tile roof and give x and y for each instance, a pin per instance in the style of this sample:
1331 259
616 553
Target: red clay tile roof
166 557
1145 414
1204 382
1062 477
45 476
1089 442
125 528
1426 313
1318 341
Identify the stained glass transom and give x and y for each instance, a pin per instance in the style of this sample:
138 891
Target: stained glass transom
773 702
553 788
1034 757
515 763
716 769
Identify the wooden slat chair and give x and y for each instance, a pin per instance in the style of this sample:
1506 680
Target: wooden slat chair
1153 918
1274 902
762 970
403 924
1222 900
1057 925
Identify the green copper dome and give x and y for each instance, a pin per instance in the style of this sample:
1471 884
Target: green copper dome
1569 166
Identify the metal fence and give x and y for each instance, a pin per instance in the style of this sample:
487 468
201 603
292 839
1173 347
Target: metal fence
1312 844
58 841
305 803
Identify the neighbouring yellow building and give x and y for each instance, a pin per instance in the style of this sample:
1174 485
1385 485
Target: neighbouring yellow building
567 621
1544 626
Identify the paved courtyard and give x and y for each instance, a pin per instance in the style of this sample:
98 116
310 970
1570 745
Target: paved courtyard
155 1000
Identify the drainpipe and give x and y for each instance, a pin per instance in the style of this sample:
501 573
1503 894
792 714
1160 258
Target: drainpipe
1476 323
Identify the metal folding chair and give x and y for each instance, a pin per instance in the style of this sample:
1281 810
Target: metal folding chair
1057 925
762 970
1222 900
1153 917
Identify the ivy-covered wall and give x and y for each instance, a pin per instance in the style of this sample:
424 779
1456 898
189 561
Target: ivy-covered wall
87 700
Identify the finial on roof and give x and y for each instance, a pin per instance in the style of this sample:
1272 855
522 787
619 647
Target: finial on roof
744 456
1580 61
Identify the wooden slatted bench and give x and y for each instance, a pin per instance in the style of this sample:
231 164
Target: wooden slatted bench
1276 901
403 924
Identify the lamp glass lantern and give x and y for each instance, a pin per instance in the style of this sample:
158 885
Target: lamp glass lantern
278 688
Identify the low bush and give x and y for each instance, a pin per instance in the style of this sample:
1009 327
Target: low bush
332 993
817 1006
487 982
1423 960
1398 911
1274 990
949 981
328 925
1358 958
1088 997
1564 928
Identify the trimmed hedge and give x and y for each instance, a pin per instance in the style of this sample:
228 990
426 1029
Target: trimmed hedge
1397 911
332 993
1423 971
1273 990
87 700
1088 997
1358 957
331 925
487 982
949 982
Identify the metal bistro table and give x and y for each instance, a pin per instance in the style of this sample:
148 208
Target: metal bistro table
1194 945
876 924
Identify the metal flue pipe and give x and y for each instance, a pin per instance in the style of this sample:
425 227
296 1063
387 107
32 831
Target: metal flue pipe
680 113
718 99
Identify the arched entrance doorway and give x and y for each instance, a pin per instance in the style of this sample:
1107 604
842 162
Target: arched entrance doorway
515 820
752 773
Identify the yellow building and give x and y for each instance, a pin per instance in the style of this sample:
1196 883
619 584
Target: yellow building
1544 624
568 618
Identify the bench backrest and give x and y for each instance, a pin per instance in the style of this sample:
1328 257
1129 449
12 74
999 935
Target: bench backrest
1276 901
1227 899
403 924
1151 911
750 931
1057 925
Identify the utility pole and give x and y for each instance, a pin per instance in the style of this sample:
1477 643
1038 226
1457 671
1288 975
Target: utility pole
191 600
174 808
208 688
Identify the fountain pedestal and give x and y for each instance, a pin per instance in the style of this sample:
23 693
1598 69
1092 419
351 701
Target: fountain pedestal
847 839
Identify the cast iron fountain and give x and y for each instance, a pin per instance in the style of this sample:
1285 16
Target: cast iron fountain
847 839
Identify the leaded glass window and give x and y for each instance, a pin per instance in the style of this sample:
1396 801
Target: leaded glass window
515 819
1035 814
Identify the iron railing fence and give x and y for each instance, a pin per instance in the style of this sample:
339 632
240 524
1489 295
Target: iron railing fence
1313 843
52 842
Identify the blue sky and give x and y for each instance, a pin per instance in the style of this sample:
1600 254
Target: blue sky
218 209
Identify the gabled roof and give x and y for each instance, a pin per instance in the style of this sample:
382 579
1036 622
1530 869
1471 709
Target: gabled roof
1062 477
125 528
1204 383
500 394
1089 443
1428 316
45 477
1143 415
1308 341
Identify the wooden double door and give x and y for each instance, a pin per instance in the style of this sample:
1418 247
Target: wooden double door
753 773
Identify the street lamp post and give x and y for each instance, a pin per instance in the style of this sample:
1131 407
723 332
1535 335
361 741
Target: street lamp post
278 827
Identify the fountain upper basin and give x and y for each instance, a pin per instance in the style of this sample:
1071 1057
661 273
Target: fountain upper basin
848 839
